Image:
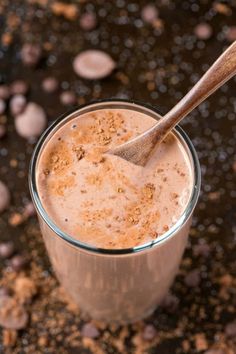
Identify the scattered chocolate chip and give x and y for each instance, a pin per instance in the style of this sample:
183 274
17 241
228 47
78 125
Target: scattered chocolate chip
43 341
68 11
2 106
50 84
32 122
88 21
3 131
230 330
226 280
25 289
200 342
17 104
31 54
192 279
170 303
9 337
149 13
68 98
29 210
4 291
222 8
93 64
6 249
234 166
202 250
149 332
4 197
214 196
12 314
16 219
89 330
19 87
18 262
203 31
4 92
215 351
231 34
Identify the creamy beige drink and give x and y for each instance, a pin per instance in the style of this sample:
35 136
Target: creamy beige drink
102 199
115 232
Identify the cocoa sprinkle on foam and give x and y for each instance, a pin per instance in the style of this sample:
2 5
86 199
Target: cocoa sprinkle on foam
79 151
114 204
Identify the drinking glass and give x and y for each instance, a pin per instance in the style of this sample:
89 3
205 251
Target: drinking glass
115 285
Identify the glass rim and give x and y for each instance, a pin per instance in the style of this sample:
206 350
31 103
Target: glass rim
85 246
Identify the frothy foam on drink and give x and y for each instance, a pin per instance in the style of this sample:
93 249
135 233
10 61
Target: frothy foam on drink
103 200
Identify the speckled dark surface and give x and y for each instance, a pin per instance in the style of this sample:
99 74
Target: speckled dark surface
154 65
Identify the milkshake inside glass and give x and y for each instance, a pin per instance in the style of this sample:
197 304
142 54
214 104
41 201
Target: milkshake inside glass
115 232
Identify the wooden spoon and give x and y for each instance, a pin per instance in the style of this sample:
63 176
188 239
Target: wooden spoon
138 149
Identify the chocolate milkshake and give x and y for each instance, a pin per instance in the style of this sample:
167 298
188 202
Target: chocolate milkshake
105 208
102 199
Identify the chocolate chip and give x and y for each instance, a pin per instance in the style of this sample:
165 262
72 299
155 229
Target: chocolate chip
234 166
203 31
4 291
222 8
6 249
88 21
149 332
4 197
68 98
202 250
50 84
29 210
93 64
4 92
19 87
215 351
149 13
32 122
3 131
16 219
89 330
25 289
31 54
230 330
18 262
9 338
192 279
170 303
43 341
12 314
68 11
17 104
231 34
2 106
214 196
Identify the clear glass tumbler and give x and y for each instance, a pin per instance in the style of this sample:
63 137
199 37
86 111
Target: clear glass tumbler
121 285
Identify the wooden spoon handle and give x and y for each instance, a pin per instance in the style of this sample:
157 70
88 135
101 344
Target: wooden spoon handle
221 71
